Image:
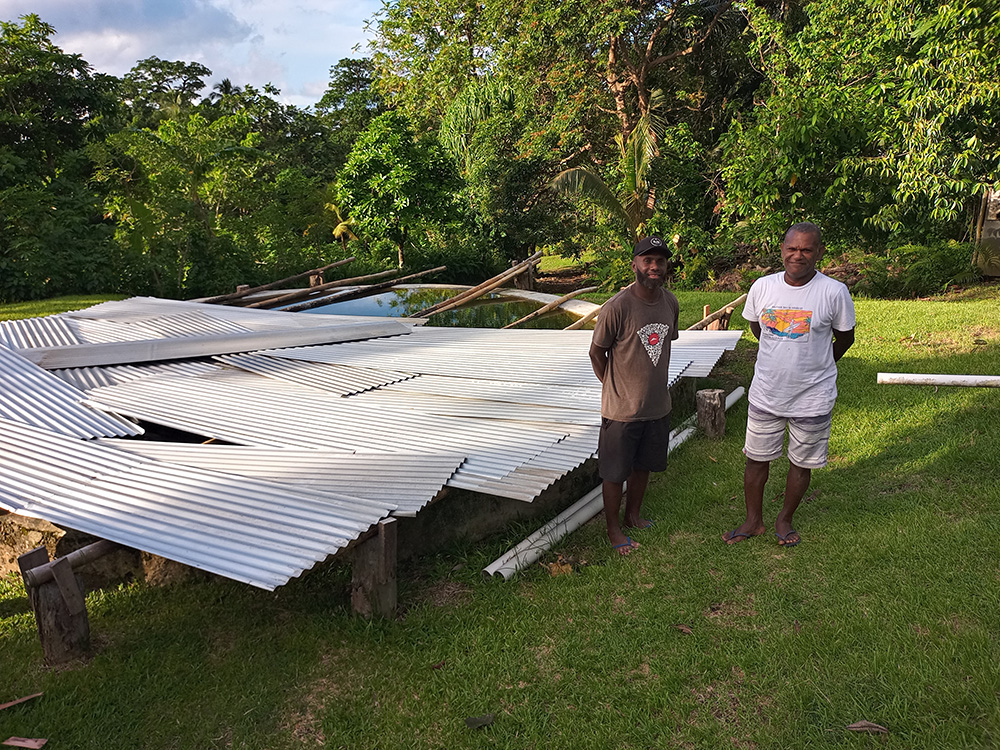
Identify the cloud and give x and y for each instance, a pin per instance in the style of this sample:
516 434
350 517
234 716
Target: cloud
292 46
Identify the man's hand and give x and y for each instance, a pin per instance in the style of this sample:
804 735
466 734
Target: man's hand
599 361
842 341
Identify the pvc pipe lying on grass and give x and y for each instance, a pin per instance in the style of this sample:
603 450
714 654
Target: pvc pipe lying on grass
904 378
537 544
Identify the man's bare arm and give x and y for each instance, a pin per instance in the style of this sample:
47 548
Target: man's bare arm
755 328
599 361
842 341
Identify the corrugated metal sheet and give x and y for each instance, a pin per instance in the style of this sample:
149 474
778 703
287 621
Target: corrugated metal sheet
261 533
409 481
86 378
246 409
321 376
30 395
52 330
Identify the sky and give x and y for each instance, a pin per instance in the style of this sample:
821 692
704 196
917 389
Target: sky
290 44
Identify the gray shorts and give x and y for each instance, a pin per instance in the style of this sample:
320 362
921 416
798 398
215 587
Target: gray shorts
808 438
624 447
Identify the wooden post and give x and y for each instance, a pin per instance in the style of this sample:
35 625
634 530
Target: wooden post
59 607
712 411
242 288
373 584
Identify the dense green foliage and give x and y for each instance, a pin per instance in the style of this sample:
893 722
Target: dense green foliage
477 133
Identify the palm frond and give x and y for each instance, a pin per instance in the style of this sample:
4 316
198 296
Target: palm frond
580 182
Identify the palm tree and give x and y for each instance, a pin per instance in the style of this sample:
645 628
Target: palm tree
223 89
635 202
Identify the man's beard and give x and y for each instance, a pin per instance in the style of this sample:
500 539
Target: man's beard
651 284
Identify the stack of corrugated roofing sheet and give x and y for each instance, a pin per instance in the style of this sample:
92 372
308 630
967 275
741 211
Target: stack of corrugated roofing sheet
30 395
503 412
259 532
408 480
247 409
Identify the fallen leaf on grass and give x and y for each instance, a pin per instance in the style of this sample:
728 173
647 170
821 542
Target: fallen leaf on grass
24 742
563 565
439 665
713 459
796 627
19 700
778 496
685 629
867 726
812 497
478 722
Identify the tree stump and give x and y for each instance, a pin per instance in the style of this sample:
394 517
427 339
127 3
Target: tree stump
711 404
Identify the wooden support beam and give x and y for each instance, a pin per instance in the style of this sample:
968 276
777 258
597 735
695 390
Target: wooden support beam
711 404
243 290
584 320
300 294
478 291
59 607
359 293
39 574
724 312
373 584
551 306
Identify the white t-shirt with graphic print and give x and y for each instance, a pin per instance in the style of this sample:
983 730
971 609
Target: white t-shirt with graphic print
795 375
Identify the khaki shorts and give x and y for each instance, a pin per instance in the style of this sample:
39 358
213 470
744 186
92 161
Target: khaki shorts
808 438
624 447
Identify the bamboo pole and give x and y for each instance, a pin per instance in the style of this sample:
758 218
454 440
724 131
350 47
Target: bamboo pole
358 293
479 290
224 298
300 294
728 309
551 306
584 320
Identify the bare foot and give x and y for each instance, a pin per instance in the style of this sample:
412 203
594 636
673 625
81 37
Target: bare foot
742 533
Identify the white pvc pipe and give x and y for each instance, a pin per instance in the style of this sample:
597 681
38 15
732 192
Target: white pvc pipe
541 541
972 381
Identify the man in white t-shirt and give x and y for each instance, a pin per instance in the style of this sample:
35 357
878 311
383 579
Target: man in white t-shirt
804 321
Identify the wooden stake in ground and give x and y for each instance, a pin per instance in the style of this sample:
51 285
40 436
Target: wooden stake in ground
225 298
60 611
551 306
301 294
478 291
711 405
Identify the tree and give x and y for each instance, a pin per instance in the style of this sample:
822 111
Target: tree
392 184
879 120
157 89
52 105
350 102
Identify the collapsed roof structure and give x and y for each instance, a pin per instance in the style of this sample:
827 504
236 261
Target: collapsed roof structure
318 426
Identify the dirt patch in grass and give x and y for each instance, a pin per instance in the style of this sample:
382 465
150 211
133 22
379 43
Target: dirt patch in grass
333 679
722 701
731 611
446 594
944 343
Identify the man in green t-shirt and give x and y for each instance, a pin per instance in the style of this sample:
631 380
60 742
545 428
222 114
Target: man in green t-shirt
630 354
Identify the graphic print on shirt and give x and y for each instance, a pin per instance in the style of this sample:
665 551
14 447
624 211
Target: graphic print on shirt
652 336
786 323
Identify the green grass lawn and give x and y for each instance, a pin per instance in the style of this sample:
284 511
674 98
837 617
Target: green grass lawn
888 611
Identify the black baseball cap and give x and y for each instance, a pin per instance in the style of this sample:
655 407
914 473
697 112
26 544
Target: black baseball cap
649 245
